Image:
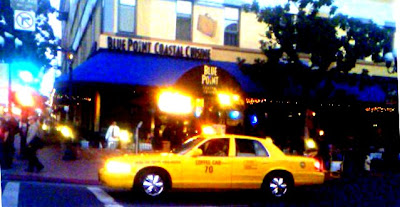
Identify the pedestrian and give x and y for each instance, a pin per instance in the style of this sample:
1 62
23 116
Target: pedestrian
112 135
353 161
367 165
23 131
33 140
3 136
324 153
12 126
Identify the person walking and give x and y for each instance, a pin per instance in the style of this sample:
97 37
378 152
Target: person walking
12 126
33 141
112 135
3 137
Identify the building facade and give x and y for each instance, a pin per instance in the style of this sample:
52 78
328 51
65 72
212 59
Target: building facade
140 47
125 52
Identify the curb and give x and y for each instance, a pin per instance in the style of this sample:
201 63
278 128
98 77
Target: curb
39 178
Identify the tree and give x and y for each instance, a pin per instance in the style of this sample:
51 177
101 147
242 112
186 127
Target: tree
334 38
334 42
38 47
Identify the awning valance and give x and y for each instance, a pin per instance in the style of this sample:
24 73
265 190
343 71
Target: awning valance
147 70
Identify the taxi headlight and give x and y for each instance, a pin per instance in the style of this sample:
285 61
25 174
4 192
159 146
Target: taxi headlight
117 167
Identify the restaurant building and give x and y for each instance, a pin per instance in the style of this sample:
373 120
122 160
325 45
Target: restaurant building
127 53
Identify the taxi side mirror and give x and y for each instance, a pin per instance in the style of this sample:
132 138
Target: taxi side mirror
197 152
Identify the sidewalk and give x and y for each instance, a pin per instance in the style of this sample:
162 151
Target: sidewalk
83 170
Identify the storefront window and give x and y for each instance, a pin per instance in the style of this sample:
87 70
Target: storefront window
231 31
126 16
184 20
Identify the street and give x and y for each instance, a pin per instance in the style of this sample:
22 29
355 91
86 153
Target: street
25 193
377 190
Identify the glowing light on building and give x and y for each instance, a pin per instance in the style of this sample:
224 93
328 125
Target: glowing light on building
224 99
253 119
65 131
379 109
227 99
198 111
174 102
208 130
236 97
213 129
310 144
234 114
125 136
321 133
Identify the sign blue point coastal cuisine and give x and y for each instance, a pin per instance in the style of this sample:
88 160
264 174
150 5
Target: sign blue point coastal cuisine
157 47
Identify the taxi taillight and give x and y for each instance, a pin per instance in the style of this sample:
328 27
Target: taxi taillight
318 165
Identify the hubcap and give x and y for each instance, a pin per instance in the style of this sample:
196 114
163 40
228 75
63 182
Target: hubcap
278 187
153 185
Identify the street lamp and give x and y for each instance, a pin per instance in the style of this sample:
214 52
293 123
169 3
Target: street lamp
70 152
70 59
321 133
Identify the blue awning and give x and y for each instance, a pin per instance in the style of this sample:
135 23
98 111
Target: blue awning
147 70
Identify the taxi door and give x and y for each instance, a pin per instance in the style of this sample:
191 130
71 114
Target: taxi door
249 164
210 170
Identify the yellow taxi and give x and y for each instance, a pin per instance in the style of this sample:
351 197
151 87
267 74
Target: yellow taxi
214 162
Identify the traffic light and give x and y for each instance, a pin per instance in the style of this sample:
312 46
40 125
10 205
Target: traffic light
24 73
24 98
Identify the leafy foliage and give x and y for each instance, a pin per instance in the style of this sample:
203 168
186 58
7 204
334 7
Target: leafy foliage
333 42
307 31
35 46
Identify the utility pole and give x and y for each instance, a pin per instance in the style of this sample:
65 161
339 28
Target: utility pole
18 15
9 91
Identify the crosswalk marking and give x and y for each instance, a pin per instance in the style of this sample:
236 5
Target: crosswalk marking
10 194
102 196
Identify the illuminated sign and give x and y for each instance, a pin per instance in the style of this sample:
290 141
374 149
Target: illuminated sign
209 76
159 48
209 79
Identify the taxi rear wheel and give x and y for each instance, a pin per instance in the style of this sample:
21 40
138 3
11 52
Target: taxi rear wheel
152 183
278 185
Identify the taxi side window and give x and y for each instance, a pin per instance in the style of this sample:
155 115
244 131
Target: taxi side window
216 147
250 148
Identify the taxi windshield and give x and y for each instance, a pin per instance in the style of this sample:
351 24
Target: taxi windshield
187 145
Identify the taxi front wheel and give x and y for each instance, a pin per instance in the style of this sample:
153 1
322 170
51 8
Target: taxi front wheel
278 185
152 183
